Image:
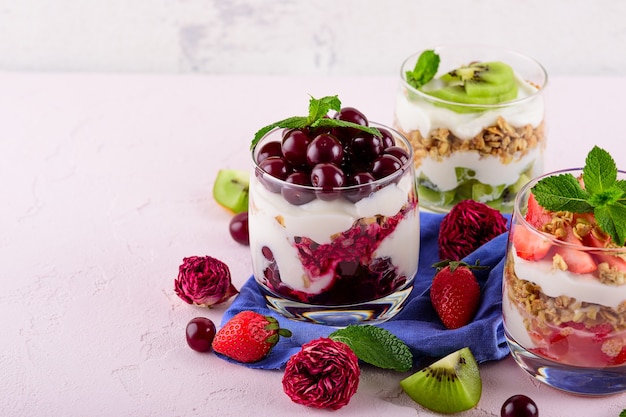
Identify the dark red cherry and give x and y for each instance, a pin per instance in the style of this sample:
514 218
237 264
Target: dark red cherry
200 333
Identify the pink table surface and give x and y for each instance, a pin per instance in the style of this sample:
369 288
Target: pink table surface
105 185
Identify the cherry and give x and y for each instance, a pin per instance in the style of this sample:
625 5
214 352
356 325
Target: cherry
327 176
387 138
200 333
385 165
294 146
350 114
398 152
238 228
365 146
269 149
324 148
519 406
298 195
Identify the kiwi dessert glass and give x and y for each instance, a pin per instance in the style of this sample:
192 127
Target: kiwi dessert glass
328 253
477 127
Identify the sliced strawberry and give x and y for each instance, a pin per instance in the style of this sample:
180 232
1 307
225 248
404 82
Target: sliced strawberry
578 261
536 215
528 244
612 260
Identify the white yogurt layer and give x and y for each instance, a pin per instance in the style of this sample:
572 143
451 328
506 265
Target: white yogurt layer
554 282
488 169
320 220
514 323
420 114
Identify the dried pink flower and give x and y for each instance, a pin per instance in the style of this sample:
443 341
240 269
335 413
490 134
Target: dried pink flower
324 374
469 225
204 281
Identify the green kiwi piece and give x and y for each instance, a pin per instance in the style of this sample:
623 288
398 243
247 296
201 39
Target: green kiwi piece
480 83
230 189
450 385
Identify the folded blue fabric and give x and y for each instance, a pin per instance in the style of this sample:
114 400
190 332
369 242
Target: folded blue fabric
417 324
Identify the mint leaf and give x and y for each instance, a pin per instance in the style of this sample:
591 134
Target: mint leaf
600 171
562 193
425 69
621 184
296 122
610 219
604 195
376 346
327 122
623 413
320 108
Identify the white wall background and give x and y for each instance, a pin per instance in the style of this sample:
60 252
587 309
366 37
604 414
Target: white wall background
360 37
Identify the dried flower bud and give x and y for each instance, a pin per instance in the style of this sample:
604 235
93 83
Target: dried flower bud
204 281
324 374
469 225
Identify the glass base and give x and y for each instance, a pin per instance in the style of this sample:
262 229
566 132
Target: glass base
370 312
572 379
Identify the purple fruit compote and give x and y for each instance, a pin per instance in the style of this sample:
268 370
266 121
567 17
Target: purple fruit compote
334 222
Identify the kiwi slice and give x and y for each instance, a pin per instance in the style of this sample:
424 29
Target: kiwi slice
480 83
230 189
450 385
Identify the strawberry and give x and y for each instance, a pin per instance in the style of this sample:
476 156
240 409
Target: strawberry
248 337
578 261
455 293
529 245
536 215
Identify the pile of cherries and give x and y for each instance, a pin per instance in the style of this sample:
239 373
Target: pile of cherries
325 160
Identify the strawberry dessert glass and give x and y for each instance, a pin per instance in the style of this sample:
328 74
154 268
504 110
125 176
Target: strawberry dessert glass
334 223
475 117
564 297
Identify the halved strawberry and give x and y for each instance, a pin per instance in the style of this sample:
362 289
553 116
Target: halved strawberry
536 215
594 240
528 244
578 261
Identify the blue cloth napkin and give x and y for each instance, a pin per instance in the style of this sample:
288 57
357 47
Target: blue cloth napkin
417 324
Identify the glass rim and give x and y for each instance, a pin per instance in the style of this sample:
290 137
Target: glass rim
521 219
377 183
484 107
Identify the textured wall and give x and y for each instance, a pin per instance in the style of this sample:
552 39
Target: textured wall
574 37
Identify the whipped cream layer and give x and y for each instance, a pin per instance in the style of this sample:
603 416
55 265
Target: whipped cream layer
421 114
273 222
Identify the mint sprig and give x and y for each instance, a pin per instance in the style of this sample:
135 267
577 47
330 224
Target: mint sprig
318 110
425 69
603 194
376 346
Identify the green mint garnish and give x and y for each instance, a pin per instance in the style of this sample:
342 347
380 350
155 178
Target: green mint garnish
376 346
318 109
623 413
603 194
425 69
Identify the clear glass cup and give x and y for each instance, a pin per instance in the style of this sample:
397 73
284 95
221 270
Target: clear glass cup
335 256
564 304
469 151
